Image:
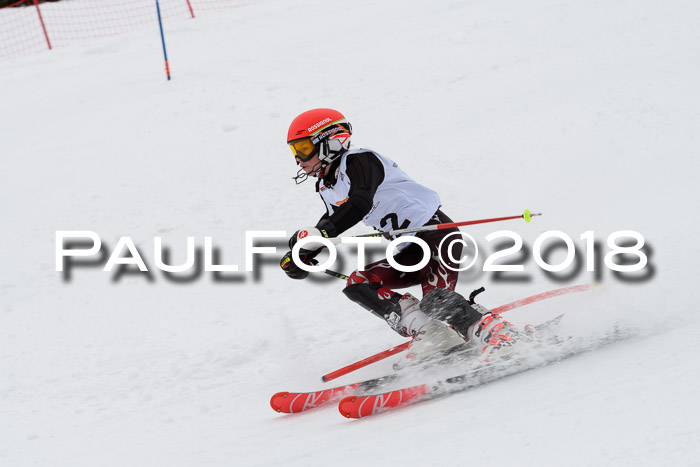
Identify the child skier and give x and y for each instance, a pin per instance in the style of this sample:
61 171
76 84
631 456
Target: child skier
362 185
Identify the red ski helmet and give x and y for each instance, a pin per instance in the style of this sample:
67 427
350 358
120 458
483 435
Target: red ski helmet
325 132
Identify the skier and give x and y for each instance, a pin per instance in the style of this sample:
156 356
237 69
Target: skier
362 185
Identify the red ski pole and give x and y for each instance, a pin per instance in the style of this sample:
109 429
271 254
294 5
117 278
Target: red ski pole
527 215
364 362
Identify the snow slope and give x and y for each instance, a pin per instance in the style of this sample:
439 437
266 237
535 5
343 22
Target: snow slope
585 111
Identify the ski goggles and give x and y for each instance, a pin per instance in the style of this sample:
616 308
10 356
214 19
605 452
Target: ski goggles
303 148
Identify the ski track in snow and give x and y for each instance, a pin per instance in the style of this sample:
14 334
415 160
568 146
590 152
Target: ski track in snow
587 112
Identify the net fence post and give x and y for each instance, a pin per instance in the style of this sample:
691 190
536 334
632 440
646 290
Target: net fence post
41 20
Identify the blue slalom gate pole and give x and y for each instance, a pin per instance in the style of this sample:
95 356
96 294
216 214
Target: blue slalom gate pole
162 38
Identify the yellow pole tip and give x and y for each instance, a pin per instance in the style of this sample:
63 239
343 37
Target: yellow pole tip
527 215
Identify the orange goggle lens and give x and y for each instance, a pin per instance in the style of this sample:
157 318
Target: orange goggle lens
303 148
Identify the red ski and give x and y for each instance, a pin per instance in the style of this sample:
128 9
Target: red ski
362 406
295 402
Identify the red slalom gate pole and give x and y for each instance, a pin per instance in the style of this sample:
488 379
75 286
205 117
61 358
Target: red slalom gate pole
43 26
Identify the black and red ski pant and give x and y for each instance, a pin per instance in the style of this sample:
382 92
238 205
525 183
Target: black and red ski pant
379 278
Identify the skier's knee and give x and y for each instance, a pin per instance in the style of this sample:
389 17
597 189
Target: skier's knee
373 297
360 277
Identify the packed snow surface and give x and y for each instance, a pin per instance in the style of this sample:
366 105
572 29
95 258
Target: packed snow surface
585 111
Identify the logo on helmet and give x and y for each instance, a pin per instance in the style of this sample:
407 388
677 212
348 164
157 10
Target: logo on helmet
319 124
302 234
328 133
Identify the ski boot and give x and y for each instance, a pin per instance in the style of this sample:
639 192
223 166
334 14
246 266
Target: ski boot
431 338
473 322
403 314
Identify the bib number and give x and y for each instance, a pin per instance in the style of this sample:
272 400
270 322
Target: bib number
393 218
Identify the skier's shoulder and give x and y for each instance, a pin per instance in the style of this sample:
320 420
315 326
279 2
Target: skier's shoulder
362 156
360 151
363 164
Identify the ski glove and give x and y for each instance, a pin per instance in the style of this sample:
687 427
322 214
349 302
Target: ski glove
292 270
324 229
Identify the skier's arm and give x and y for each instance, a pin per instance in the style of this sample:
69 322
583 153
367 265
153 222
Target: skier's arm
366 173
